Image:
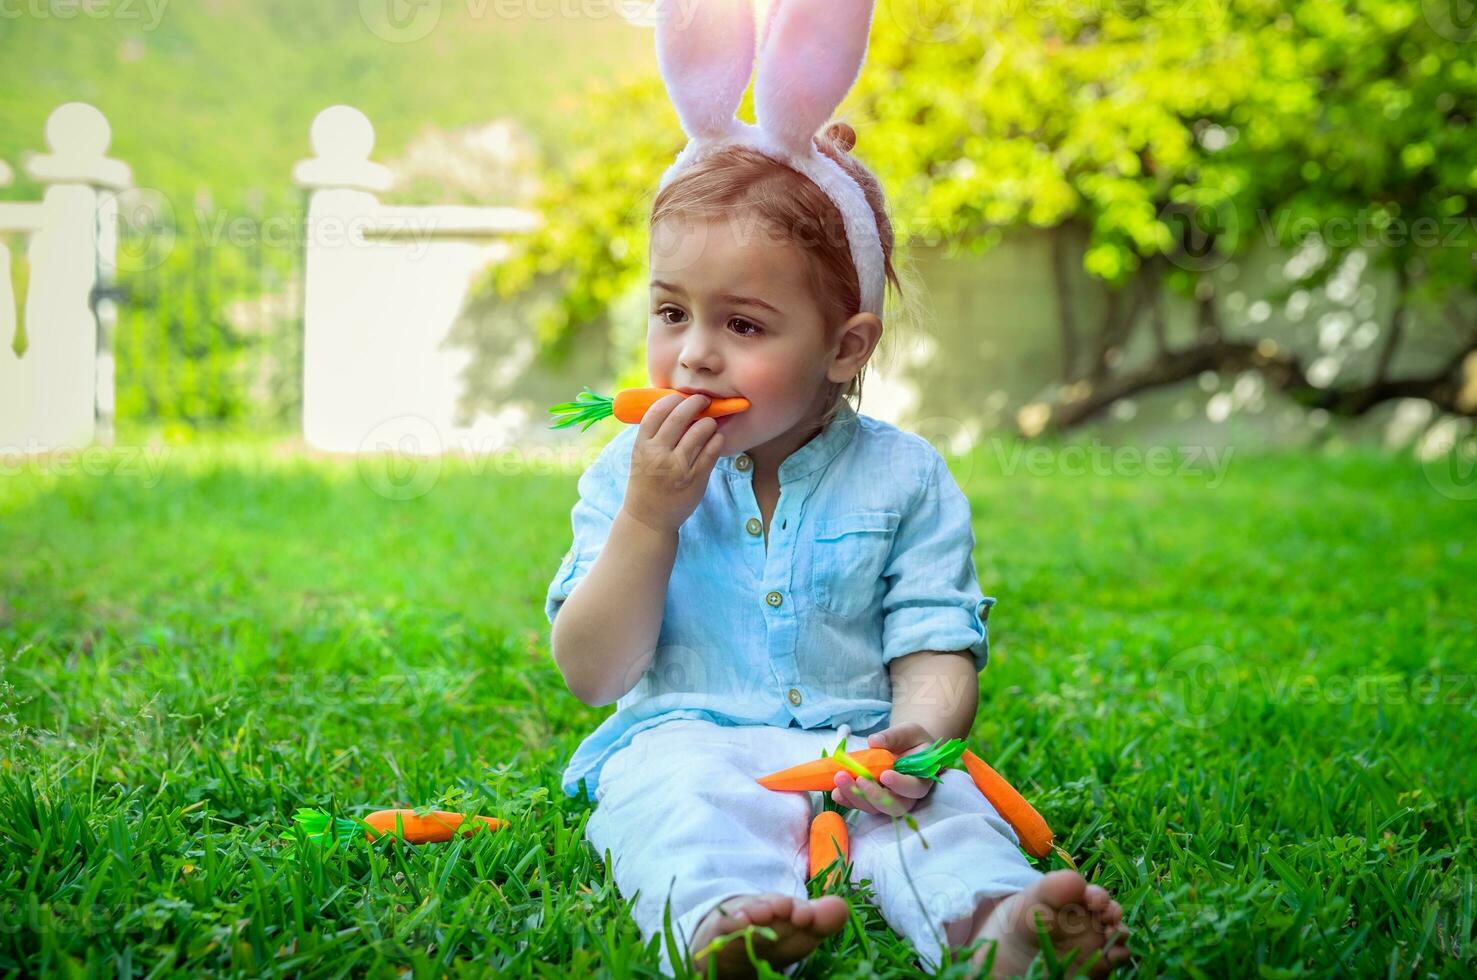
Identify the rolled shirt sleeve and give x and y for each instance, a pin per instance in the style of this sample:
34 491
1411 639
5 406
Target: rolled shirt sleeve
601 493
933 599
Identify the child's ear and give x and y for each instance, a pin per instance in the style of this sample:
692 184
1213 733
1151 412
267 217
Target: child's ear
855 340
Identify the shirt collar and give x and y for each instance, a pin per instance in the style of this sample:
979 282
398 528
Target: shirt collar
816 453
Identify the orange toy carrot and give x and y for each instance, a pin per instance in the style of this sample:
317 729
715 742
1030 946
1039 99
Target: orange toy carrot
821 773
1035 835
438 825
828 843
631 406
413 828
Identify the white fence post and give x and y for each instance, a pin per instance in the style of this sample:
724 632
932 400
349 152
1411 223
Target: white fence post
49 390
383 288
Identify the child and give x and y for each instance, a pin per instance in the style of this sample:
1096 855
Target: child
750 589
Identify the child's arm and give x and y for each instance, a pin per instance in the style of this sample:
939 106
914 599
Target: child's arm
934 695
606 632
604 637
934 692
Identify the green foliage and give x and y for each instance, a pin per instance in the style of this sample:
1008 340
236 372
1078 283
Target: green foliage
595 244
1237 707
210 105
209 330
1155 126
221 95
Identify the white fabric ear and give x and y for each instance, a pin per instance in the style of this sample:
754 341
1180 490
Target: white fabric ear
705 53
812 54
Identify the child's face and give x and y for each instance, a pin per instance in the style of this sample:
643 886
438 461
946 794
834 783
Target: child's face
732 313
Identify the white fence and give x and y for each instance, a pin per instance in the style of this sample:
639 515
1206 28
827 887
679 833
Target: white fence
385 290
384 286
56 371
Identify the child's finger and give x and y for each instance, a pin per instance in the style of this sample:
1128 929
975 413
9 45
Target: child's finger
878 796
694 441
846 795
844 798
910 787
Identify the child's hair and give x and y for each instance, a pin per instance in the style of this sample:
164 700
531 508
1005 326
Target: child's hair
783 202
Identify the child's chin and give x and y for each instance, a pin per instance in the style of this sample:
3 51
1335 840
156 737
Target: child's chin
729 426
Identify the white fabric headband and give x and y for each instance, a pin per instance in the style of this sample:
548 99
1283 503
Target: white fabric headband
810 57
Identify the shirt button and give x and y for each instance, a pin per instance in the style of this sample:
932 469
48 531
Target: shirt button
742 463
754 526
774 598
795 697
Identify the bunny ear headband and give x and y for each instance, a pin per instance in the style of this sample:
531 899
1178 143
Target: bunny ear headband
810 56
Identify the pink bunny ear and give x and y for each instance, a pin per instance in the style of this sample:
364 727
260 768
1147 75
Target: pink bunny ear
812 54
705 52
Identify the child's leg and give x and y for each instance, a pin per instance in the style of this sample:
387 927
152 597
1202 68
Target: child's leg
682 817
972 854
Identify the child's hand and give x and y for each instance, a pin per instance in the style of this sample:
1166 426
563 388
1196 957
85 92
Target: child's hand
897 793
671 461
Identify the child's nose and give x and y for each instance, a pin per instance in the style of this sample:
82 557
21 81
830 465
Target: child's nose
700 353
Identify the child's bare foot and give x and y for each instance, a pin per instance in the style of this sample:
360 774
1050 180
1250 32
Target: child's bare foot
799 926
1077 916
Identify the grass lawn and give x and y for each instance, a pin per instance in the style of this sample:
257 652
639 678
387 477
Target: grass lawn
1245 706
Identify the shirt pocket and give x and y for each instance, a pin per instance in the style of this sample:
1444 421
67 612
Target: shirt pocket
849 555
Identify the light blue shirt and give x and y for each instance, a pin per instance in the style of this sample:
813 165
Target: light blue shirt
870 558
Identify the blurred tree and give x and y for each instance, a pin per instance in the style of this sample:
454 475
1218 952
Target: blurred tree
1162 139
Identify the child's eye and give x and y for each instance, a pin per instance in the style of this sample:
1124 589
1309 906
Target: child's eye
745 328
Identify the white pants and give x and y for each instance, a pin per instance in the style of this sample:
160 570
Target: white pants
683 819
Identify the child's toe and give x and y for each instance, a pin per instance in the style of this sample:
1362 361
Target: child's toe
770 908
830 912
